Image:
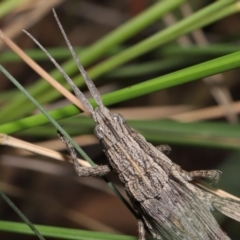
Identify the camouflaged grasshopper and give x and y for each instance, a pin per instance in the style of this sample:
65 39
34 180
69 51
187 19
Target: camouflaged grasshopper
169 205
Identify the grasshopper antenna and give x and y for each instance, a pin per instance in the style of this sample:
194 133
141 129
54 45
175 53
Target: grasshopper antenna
88 107
92 88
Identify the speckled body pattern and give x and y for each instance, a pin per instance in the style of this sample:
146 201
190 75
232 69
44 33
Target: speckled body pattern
168 204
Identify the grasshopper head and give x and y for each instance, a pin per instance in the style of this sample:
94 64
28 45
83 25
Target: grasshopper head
109 126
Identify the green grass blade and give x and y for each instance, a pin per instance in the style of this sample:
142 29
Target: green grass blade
214 135
61 233
204 134
198 71
205 16
197 20
196 51
121 34
21 215
36 54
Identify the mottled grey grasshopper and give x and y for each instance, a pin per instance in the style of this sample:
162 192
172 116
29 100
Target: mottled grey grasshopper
169 204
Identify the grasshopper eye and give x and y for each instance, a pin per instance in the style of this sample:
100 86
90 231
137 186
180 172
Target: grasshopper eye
98 132
118 118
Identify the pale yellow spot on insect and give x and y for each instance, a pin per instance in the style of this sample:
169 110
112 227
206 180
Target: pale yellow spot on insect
135 166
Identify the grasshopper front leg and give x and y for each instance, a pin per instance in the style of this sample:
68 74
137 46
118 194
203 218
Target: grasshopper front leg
164 149
96 171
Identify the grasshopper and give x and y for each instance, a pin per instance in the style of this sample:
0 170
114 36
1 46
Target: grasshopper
168 203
